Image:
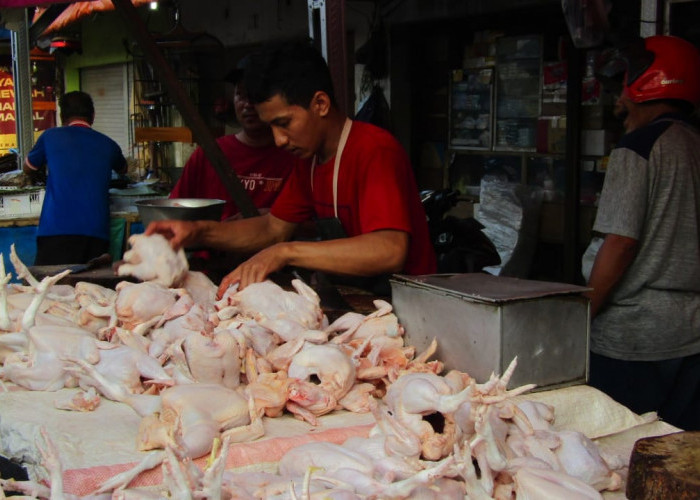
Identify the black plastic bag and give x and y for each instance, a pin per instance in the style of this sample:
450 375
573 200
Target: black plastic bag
375 110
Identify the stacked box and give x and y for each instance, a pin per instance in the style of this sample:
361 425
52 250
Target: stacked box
20 203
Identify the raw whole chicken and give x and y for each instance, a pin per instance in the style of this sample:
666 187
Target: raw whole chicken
196 369
151 258
177 329
43 367
335 372
580 458
142 304
130 367
191 416
543 484
416 395
267 301
201 288
213 358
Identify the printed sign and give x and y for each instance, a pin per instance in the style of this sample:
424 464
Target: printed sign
43 101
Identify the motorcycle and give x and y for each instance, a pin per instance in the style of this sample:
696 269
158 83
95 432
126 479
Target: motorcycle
460 245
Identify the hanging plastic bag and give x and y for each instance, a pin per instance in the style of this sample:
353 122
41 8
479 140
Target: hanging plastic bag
375 109
587 21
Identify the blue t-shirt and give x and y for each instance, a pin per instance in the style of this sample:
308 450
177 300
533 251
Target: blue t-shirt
79 163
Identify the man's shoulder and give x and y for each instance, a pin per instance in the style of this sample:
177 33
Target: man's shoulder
227 140
643 139
372 136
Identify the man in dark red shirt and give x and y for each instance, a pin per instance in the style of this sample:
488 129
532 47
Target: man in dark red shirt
360 187
261 167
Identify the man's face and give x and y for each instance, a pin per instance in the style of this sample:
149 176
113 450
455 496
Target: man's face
295 129
621 109
245 111
629 112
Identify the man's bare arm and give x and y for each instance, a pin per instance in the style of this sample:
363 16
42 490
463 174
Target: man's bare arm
614 257
369 254
241 236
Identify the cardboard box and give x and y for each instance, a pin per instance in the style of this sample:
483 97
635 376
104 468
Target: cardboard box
595 142
551 134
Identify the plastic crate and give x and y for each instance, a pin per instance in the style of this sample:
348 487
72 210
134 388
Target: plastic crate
16 204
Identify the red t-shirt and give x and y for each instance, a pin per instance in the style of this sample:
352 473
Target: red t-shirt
262 172
376 190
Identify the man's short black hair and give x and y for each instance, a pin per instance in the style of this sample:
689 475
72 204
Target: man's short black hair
76 104
236 74
293 71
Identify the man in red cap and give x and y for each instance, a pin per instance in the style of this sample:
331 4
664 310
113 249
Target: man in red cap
645 302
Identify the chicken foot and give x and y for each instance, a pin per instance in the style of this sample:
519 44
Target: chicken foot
42 288
5 322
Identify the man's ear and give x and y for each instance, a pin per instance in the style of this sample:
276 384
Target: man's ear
320 103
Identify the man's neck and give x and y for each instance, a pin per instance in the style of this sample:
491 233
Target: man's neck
256 139
641 115
334 128
78 122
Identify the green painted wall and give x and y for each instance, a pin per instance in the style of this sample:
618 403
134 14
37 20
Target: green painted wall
105 40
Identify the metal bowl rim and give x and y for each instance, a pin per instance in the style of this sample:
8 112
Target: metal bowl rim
186 203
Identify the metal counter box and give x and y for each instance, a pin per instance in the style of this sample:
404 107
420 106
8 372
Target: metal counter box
481 322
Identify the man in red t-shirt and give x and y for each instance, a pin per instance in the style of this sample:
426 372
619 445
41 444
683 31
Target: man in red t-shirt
261 167
366 202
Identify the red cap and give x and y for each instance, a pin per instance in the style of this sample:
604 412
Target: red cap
674 72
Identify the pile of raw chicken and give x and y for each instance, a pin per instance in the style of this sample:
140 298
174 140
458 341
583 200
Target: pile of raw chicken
203 372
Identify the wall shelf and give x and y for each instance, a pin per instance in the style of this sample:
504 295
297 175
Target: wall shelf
162 134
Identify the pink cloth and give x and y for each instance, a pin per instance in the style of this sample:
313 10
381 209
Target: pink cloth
29 3
84 481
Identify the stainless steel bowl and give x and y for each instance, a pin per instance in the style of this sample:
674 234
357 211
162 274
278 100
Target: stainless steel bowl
179 209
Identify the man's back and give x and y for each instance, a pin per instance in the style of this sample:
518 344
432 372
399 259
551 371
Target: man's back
652 194
79 164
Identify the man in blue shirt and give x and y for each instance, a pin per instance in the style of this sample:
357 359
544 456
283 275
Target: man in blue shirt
78 161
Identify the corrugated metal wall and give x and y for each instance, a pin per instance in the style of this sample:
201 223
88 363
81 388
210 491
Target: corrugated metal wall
109 88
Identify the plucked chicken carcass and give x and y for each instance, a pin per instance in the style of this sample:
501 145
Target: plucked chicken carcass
130 367
190 318
192 416
283 312
44 366
355 471
417 395
382 322
213 358
196 369
335 373
151 258
141 305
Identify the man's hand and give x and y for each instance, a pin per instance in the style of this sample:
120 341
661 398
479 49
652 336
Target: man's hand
179 233
256 269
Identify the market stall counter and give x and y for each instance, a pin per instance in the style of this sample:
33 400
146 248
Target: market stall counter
94 446
21 232
166 365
